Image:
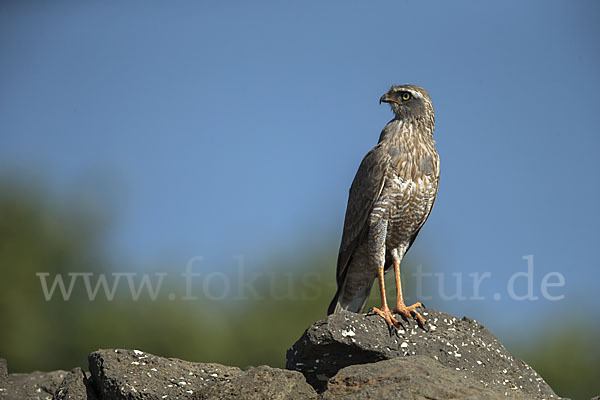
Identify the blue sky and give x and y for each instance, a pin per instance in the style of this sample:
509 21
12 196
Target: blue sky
225 128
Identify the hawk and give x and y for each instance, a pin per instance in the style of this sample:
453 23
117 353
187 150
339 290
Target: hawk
389 201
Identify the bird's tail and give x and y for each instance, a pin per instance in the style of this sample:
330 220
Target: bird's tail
355 303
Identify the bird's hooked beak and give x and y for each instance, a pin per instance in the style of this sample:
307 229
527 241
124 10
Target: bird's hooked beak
389 98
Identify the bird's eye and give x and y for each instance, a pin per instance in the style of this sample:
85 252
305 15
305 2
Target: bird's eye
405 96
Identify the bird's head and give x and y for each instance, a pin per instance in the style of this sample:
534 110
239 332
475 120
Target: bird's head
408 102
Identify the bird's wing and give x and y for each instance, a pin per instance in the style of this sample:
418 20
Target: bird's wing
364 192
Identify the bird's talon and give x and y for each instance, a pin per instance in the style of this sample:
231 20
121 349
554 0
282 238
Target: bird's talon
409 312
388 317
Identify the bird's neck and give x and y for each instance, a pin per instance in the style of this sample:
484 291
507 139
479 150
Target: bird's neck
399 131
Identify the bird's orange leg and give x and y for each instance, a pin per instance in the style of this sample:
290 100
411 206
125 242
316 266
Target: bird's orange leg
405 311
384 312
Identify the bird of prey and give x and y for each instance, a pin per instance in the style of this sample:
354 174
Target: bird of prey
389 201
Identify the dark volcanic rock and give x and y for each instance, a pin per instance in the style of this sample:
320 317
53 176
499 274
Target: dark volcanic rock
76 385
344 356
3 375
417 377
36 385
262 383
132 374
464 346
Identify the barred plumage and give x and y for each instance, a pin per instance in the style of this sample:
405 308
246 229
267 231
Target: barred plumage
390 199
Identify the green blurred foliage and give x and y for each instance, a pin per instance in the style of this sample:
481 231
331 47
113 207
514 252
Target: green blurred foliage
567 358
41 234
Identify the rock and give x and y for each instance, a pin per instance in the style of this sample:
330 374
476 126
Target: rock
409 378
133 374
344 356
36 385
263 383
76 385
3 374
464 346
